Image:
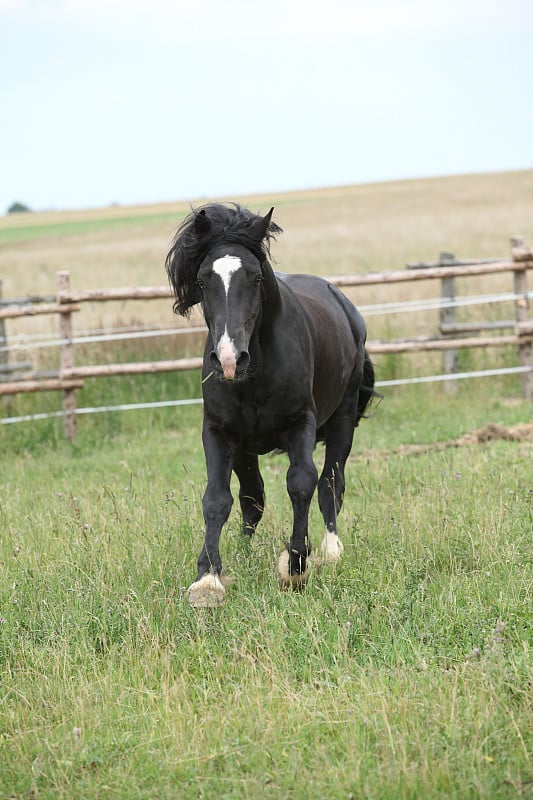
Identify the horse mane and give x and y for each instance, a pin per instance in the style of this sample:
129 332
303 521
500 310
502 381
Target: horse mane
203 229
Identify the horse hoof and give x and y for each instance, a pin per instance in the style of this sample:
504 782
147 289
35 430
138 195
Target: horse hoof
331 548
208 592
295 581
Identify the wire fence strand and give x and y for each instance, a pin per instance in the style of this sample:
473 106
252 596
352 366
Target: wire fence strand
485 373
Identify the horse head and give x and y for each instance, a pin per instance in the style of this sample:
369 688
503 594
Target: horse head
219 258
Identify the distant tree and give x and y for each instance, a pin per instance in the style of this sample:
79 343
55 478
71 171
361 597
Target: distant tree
17 208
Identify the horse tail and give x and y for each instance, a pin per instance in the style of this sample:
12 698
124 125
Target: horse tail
366 390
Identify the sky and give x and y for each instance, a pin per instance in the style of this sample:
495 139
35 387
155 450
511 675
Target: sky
130 101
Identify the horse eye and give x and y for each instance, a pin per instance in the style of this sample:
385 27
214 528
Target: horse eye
259 279
200 284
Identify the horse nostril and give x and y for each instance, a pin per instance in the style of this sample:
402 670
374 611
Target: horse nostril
243 360
214 359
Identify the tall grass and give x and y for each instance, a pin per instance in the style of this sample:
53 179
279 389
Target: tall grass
405 672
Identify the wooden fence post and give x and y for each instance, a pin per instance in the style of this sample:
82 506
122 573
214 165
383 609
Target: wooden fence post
3 335
448 317
66 357
525 350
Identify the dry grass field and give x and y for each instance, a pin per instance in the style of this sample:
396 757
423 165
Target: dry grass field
351 229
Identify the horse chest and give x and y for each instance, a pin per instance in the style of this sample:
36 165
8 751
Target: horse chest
258 421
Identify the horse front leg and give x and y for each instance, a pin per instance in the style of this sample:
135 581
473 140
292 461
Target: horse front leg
208 589
302 479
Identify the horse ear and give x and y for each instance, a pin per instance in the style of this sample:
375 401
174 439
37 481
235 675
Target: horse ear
202 225
261 225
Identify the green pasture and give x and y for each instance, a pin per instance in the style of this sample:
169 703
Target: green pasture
34 229
404 673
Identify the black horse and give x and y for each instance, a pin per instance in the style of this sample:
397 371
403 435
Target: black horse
284 366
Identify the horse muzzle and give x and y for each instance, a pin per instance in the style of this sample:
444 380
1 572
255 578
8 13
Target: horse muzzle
227 362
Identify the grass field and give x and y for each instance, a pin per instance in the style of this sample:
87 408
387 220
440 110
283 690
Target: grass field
406 672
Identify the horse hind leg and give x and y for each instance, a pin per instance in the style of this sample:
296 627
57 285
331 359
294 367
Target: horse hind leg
330 497
251 492
331 485
339 437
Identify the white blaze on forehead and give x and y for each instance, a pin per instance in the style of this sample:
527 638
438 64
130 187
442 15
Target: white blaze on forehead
225 267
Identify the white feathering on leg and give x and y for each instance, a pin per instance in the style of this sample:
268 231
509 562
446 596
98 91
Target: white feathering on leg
331 548
208 592
286 580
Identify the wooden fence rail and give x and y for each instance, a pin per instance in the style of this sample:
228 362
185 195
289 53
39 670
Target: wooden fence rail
68 301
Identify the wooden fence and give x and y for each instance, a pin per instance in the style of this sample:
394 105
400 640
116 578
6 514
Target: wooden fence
70 377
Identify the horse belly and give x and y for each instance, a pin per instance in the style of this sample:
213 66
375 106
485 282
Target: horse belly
335 360
269 433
